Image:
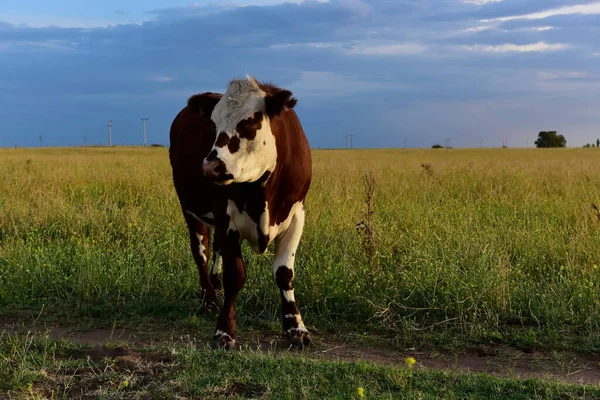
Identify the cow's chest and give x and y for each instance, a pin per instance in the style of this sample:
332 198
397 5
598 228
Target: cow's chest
252 224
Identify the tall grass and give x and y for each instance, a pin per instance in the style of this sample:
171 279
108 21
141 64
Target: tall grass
469 241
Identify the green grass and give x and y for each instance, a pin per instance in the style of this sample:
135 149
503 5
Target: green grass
36 367
471 246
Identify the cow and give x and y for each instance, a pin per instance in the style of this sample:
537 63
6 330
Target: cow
242 168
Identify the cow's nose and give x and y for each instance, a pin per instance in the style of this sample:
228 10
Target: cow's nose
215 170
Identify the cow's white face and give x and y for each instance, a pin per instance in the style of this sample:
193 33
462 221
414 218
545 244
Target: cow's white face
244 149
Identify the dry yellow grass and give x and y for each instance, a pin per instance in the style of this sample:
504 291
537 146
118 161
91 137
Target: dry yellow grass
475 241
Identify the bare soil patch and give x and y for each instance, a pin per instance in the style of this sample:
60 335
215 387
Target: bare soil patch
500 361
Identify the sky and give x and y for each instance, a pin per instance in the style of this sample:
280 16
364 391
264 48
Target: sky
390 72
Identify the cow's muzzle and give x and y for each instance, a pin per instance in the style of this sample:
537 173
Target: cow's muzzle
216 171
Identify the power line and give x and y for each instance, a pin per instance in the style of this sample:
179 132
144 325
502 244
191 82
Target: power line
144 119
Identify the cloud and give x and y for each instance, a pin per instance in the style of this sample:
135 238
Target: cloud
480 2
358 66
161 78
515 48
583 9
62 46
556 75
396 49
365 48
328 84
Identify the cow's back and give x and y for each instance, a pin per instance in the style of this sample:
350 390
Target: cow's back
191 138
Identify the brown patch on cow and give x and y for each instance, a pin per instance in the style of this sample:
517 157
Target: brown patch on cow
212 156
263 240
247 128
222 140
279 102
284 277
264 178
204 103
234 144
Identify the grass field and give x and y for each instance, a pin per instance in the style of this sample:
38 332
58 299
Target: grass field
464 246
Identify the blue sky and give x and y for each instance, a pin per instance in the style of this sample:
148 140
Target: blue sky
384 70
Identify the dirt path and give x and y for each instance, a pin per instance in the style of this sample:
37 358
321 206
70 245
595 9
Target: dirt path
497 361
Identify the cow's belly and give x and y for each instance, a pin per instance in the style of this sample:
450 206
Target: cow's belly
254 230
257 231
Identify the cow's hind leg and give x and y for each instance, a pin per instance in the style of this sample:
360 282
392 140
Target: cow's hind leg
217 267
199 244
283 271
234 277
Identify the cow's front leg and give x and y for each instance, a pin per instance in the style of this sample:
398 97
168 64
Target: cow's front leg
234 277
283 271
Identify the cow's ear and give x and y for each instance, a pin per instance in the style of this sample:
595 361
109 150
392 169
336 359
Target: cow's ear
204 103
279 101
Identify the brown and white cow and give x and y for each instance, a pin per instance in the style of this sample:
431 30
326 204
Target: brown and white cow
248 182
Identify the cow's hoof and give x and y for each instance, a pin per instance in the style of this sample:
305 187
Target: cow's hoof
298 339
216 344
223 341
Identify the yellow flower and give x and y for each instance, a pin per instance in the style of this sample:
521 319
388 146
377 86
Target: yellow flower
410 361
361 392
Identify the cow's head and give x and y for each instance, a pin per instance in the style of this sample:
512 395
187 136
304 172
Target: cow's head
244 149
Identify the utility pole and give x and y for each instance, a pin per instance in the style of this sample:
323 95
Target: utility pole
526 143
109 132
144 119
481 143
405 142
85 140
349 136
447 142
41 141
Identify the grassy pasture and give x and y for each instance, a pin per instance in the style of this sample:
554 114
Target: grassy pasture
468 246
34 367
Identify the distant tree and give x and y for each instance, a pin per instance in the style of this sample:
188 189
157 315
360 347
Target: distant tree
156 145
437 146
585 146
597 142
550 139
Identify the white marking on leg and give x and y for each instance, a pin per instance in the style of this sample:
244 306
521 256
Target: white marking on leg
286 244
289 295
294 317
288 235
217 267
201 248
300 328
220 335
